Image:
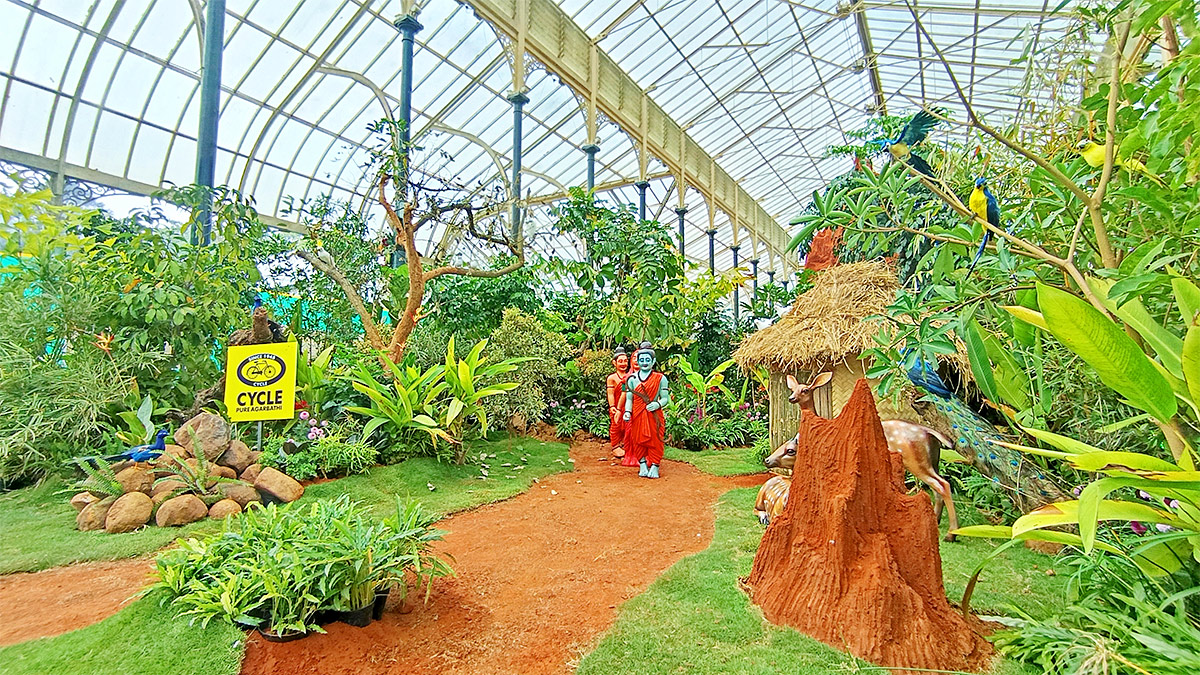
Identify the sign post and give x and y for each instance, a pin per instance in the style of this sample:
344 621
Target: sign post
260 383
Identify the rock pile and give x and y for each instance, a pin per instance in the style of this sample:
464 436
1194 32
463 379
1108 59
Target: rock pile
157 492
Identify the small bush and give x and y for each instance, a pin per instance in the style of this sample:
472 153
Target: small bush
340 452
523 335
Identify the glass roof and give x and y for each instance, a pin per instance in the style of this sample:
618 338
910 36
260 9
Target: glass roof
107 91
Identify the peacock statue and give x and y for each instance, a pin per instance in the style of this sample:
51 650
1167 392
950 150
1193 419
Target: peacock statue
974 439
139 453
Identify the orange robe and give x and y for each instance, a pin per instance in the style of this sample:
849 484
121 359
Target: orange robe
616 409
645 430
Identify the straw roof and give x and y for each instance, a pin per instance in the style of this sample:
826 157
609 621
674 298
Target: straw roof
829 322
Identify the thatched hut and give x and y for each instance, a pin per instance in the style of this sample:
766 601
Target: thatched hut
828 328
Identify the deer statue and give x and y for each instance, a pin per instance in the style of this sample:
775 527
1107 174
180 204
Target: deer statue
919 448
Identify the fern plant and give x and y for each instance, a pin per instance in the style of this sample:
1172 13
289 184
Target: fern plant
196 479
100 480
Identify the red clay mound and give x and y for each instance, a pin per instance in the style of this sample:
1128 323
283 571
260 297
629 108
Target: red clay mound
853 561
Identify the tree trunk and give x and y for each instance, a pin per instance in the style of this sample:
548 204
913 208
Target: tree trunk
853 560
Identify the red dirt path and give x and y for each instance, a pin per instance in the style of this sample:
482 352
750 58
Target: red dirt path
43 604
540 577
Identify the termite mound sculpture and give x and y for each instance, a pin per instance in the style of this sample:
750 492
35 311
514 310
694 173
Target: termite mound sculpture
853 560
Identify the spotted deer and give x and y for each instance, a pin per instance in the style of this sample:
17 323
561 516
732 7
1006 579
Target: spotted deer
919 448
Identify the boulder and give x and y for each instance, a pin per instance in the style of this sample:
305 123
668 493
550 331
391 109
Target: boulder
241 493
278 485
223 508
237 457
209 431
159 497
222 471
180 510
136 479
167 486
251 473
92 516
128 513
176 451
82 499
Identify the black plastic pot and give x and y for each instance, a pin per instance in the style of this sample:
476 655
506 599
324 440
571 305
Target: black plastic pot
281 637
381 598
360 617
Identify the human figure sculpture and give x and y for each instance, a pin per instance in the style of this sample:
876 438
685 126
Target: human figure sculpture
616 422
646 393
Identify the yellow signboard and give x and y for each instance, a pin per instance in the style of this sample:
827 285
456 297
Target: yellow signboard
260 382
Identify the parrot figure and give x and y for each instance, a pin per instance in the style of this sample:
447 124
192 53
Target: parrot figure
914 132
974 438
983 204
1093 154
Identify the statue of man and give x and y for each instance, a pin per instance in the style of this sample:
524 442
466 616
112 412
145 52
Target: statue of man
646 393
615 385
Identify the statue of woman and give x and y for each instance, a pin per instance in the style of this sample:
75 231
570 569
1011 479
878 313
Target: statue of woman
646 393
616 422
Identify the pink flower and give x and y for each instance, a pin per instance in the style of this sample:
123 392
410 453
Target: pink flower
1171 503
312 435
1144 495
1138 528
312 423
1163 527
303 414
324 423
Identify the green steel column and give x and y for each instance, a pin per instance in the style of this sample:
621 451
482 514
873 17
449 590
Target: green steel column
408 25
736 295
210 113
754 271
712 251
680 211
641 186
591 149
771 277
785 285
518 99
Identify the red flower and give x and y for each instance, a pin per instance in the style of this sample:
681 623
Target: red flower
301 405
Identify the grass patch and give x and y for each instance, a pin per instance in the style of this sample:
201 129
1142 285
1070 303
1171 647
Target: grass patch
719 461
457 487
38 525
142 639
693 619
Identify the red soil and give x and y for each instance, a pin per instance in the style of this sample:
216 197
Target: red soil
853 561
540 577
42 604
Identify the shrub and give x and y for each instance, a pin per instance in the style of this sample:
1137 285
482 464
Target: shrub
520 335
339 452
276 566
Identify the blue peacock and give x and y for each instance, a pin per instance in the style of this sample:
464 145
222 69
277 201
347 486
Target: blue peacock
138 453
974 439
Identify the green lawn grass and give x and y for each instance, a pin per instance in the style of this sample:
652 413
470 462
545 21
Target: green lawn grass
719 461
37 525
142 639
695 620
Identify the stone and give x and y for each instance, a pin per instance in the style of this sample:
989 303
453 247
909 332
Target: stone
224 508
131 511
222 471
167 486
159 497
180 510
92 516
237 457
209 431
241 493
176 451
251 473
82 499
136 479
278 485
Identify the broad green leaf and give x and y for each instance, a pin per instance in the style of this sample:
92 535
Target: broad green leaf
985 531
1103 460
1117 426
1166 344
1012 383
1067 513
1064 443
1187 296
371 426
1191 362
981 367
1089 506
456 408
1115 357
1027 315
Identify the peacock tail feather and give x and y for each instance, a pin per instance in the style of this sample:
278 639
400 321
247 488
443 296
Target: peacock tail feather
974 438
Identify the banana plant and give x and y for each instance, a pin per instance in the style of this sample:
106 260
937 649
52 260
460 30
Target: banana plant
469 381
408 404
703 384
